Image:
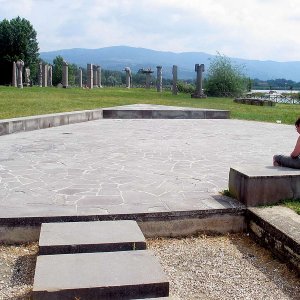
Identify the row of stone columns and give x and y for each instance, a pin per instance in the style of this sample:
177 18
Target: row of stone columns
94 77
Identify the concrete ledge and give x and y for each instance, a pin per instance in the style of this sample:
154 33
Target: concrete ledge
16 230
12 235
262 185
15 125
213 224
106 275
84 237
148 111
278 229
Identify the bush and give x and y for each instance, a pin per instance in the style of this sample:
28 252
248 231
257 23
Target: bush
186 88
224 78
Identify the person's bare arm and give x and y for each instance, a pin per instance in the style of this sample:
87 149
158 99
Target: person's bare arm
296 151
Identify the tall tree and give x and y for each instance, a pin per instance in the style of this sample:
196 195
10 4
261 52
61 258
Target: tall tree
17 41
57 71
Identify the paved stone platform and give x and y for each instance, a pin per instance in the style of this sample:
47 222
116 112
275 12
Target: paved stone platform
150 111
108 275
263 185
84 237
130 169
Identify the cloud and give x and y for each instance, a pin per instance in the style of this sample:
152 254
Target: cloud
257 29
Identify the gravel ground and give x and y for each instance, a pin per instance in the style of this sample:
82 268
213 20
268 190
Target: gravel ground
17 264
223 267
202 267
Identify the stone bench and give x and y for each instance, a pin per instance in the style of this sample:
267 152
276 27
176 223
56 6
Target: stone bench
106 275
79 237
263 185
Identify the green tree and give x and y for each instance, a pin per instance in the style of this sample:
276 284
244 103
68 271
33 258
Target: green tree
73 74
57 70
73 71
224 78
17 41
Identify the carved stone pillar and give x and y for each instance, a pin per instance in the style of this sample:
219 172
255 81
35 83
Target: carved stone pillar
159 79
90 79
80 77
45 75
65 79
174 85
14 75
20 65
199 82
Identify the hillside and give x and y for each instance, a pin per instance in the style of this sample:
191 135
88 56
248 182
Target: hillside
118 57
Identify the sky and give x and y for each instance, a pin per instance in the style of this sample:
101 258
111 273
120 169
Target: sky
255 29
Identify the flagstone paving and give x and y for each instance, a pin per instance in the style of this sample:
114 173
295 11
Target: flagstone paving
125 166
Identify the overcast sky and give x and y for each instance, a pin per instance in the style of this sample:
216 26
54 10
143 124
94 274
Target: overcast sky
255 29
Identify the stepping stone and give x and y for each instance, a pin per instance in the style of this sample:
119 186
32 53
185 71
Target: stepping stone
79 237
106 275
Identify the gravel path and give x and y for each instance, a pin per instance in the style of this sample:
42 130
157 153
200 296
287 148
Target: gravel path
203 267
17 265
223 267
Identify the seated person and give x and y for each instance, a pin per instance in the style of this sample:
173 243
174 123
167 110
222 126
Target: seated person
292 161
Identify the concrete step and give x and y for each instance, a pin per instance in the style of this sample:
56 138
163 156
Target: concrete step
150 111
106 275
83 237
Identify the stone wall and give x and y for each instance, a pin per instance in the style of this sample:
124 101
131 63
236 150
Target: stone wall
273 238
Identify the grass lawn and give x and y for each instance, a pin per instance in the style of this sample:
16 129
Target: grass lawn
35 101
293 204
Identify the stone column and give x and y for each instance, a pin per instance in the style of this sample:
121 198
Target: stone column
199 92
159 79
90 76
99 77
40 74
20 65
80 77
65 79
128 77
14 75
174 86
45 75
27 77
95 76
148 80
49 75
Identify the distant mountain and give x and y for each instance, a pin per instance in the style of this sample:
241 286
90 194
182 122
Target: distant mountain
118 57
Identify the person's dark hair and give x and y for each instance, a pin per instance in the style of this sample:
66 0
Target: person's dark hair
297 123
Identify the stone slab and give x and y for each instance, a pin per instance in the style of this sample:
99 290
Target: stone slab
83 237
278 229
149 111
262 185
106 275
